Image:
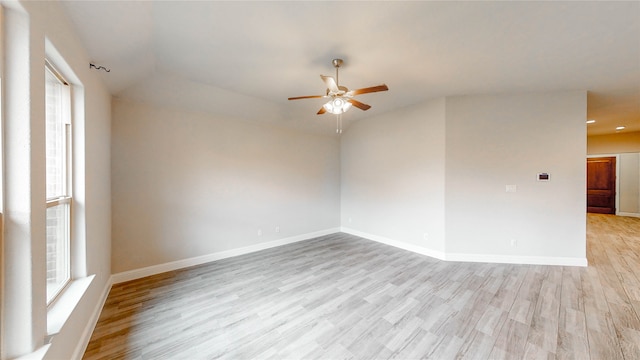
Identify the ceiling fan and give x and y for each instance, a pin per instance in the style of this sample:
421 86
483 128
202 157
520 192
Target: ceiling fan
341 98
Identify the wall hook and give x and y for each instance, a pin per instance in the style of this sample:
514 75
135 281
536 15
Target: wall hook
98 67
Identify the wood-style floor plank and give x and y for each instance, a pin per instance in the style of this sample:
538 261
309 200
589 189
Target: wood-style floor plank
342 297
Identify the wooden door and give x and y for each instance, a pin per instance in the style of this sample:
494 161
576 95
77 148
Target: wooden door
601 185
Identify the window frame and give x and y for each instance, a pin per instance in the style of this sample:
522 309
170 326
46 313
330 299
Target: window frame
66 198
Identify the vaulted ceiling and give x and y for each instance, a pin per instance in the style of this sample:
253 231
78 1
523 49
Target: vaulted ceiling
246 58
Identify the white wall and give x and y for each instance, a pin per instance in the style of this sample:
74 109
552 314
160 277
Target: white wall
190 184
494 141
393 176
442 168
35 30
629 181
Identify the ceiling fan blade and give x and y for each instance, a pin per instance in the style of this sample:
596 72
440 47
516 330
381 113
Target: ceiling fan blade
321 111
359 105
382 87
331 84
307 97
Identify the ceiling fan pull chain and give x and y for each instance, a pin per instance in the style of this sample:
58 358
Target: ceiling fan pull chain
339 124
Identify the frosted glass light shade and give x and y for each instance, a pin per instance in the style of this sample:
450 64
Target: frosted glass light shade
337 106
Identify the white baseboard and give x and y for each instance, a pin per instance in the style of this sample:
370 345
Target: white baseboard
517 259
483 258
398 244
83 342
184 263
628 214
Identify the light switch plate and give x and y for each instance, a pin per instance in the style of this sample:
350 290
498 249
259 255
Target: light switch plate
511 188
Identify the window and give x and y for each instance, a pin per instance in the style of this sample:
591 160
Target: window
58 180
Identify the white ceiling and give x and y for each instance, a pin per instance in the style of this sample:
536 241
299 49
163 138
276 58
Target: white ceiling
246 58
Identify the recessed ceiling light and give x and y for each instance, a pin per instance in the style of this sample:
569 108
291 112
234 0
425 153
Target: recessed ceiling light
590 121
620 128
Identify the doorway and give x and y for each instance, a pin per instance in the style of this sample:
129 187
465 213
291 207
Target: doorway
601 185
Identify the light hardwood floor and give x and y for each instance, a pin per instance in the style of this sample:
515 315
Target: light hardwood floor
342 297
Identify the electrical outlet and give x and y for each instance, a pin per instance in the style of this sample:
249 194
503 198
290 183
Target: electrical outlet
425 236
277 229
350 220
259 232
514 243
511 188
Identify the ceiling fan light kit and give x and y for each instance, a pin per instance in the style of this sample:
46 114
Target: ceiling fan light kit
337 106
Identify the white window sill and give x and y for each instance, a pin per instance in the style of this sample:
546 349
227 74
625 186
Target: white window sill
59 313
61 310
36 355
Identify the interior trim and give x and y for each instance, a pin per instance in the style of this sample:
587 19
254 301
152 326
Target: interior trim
482 258
83 342
198 260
